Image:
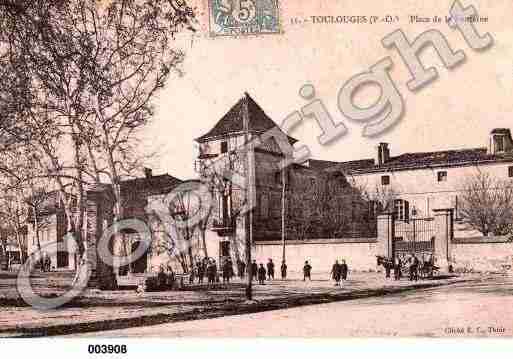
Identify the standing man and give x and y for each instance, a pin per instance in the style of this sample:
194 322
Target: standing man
211 272
231 272
397 268
388 265
192 275
261 274
242 269
270 269
336 273
416 267
307 270
226 271
283 270
48 263
201 271
344 269
412 267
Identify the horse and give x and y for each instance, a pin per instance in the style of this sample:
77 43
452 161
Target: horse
387 263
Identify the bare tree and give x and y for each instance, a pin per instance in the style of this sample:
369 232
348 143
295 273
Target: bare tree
177 218
327 207
88 74
223 176
24 195
487 205
380 196
302 203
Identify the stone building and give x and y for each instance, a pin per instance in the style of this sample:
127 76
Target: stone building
135 194
423 182
300 211
52 223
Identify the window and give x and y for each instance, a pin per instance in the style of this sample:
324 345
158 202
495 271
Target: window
224 249
264 206
224 147
402 210
385 180
500 144
277 178
510 171
442 176
275 205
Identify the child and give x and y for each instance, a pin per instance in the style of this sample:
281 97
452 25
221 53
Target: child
307 269
261 274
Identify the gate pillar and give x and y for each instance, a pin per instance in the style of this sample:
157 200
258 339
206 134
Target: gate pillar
443 237
386 235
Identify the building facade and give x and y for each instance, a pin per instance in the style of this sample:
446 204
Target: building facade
421 183
287 203
136 194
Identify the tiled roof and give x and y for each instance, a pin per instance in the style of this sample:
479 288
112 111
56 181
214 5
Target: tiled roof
438 159
232 121
505 131
331 166
415 160
155 184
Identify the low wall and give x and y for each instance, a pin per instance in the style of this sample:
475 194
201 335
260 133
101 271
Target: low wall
359 254
482 254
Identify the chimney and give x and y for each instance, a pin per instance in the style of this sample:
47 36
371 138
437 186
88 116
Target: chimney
383 153
500 141
148 172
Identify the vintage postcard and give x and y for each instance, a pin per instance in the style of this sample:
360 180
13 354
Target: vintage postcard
256 168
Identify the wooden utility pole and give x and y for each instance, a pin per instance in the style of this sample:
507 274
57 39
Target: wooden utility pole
249 164
283 208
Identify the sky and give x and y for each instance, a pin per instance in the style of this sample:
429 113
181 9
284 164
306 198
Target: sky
457 110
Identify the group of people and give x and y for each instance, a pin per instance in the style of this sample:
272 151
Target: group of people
262 273
414 265
339 271
45 263
208 268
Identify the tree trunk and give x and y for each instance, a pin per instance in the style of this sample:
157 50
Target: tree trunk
20 246
203 231
36 229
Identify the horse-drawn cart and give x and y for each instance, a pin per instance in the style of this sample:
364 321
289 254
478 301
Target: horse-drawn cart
422 270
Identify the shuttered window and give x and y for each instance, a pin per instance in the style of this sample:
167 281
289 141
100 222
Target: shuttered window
402 210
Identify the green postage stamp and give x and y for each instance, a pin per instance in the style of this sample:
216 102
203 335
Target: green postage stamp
244 17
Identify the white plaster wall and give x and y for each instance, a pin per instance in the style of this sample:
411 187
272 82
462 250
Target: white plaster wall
482 256
321 255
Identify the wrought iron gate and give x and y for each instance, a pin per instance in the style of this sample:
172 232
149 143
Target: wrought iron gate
415 236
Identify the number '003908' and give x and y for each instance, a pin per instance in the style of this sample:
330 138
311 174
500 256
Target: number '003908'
106 349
